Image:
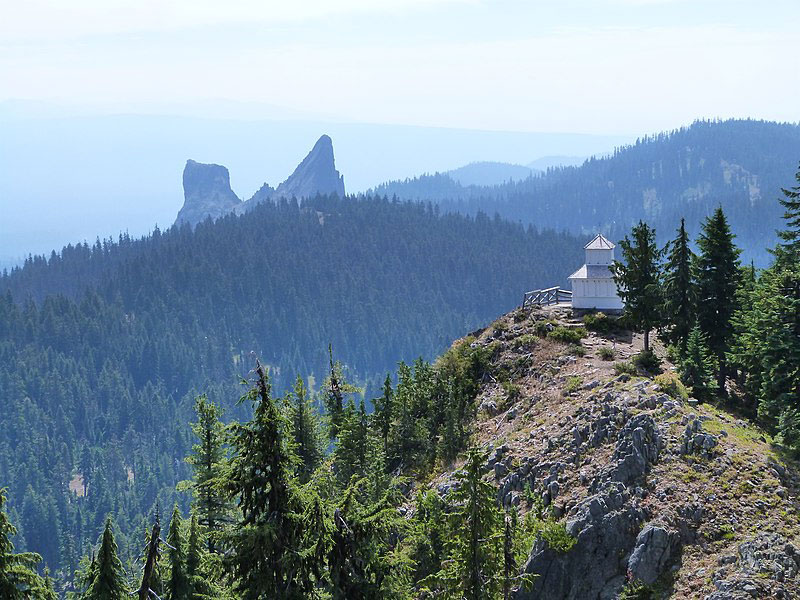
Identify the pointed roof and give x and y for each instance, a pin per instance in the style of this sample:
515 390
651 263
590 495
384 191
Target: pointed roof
599 243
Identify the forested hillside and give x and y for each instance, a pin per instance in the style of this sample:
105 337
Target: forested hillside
738 164
103 348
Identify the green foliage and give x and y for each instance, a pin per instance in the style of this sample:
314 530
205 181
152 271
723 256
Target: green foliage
473 569
266 558
576 350
606 353
698 366
18 578
637 279
600 323
679 289
208 461
306 432
670 384
788 252
548 529
647 361
718 277
178 585
625 367
108 578
567 335
636 590
573 384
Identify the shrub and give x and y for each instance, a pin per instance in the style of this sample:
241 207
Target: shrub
538 525
567 335
606 353
512 391
672 386
525 343
542 328
636 590
648 361
576 350
600 322
573 384
625 367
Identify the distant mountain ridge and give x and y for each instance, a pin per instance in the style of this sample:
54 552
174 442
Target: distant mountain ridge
207 189
490 173
738 164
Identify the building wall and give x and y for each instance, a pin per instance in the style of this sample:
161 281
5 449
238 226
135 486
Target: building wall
600 257
595 293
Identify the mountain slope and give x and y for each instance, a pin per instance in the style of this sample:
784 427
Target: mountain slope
102 349
489 173
740 165
691 501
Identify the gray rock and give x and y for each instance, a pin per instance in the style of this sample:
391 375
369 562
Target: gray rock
500 470
207 193
655 548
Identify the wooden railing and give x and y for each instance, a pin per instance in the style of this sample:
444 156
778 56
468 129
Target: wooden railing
553 295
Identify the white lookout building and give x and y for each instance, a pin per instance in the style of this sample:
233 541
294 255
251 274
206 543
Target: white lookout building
593 285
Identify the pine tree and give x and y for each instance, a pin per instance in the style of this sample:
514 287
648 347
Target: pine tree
178 585
697 366
679 292
350 453
474 569
193 551
109 580
717 281
637 279
383 414
18 578
306 432
363 561
208 461
266 543
789 252
334 396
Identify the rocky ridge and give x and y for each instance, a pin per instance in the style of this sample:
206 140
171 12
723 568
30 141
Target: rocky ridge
207 191
664 495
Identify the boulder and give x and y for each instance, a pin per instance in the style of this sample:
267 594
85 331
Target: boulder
654 550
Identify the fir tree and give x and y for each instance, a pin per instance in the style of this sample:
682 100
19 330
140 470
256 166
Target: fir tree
697 366
178 586
717 281
18 578
193 550
383 414
266 543
208 459
474 569
350 453
363 561
789 251
334 396
637 279
306 432
109 579
679 292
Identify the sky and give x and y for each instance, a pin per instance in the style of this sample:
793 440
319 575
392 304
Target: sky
589 66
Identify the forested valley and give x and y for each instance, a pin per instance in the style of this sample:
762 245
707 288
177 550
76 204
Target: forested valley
688 172
104 347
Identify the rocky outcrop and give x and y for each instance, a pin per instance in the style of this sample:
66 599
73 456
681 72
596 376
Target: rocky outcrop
608 528
207 190
761 568
206 193
317 174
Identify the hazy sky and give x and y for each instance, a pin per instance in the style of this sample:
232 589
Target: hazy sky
600 66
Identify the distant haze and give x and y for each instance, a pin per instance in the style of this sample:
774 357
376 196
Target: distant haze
66 179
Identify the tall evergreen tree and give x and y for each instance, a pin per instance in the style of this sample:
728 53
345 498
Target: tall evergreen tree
474 569
679 292
383 414
208 461
109 578
266 543
178 586
350 453
306 432
18 578
789 251
697 366
334 396
717 282
637 278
